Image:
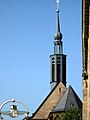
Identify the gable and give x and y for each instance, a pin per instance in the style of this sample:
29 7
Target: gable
50 102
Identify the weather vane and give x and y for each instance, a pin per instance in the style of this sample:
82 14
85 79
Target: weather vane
57 1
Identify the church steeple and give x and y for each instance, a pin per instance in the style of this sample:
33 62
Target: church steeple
58 44
58 59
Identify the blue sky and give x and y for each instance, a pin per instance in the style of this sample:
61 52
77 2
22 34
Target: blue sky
27 30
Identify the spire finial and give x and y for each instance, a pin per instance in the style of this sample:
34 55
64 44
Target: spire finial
58 35
57 1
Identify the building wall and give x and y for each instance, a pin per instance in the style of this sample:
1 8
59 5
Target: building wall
89 69
86 58
52 100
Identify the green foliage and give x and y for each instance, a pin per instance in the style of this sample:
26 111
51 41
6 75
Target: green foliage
58 118
72 114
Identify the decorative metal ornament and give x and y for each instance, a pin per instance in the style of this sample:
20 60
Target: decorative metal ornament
57 1
14 112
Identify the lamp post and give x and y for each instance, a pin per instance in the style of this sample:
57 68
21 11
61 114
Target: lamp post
14 112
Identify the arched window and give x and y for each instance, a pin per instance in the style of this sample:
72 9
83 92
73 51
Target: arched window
58 58
53 58
53 72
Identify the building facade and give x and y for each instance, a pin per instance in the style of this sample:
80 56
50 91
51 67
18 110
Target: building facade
86 58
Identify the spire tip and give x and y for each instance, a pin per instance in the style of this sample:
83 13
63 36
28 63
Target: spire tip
57 2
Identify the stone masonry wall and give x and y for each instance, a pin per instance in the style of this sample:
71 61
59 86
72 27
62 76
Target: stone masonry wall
50 103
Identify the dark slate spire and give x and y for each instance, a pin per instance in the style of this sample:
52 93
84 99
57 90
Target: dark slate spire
58 59
58 44
58 35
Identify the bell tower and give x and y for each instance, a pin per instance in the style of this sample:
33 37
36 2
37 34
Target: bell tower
58 59
86 58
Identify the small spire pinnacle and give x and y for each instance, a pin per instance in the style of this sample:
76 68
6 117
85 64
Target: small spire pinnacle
57 1
58 35
58 25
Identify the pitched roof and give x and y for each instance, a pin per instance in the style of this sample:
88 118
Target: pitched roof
69 99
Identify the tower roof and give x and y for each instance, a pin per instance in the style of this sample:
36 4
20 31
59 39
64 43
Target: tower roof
69 99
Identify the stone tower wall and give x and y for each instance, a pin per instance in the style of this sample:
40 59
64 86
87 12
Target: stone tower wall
89 68
86 58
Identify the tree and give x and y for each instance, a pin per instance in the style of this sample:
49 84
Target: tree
72 114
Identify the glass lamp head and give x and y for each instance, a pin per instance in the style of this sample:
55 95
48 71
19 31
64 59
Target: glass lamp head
13 111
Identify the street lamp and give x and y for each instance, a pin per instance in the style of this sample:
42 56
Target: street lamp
14 112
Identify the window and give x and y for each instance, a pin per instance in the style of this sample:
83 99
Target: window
60 89
53 72
58 72
53 58
64 74
58 58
